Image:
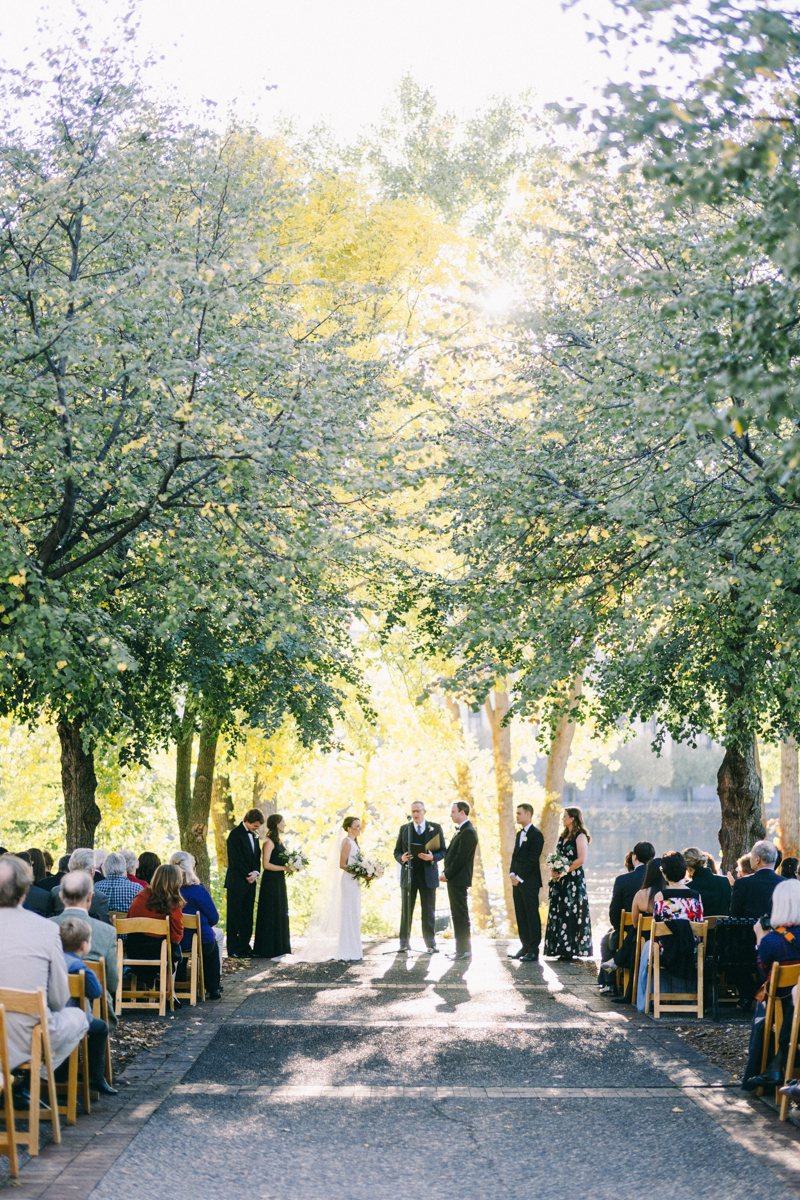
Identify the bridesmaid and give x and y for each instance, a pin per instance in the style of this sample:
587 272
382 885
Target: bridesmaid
569 929
272 921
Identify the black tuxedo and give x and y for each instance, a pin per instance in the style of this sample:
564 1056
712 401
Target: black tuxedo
625 888
424 879
528 847
458 862
244 857
752 894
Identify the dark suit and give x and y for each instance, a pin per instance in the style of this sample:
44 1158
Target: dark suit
528 848
458 872
752 895
39 901
715 892
626 886
97 909
244 857
424 879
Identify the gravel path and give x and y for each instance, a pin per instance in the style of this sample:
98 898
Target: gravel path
392 1079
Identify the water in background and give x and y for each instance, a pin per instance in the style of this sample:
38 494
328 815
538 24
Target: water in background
615 831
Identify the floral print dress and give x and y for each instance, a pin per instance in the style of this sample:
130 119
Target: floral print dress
569 927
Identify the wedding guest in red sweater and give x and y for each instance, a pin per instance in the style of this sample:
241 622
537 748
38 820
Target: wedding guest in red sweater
161 899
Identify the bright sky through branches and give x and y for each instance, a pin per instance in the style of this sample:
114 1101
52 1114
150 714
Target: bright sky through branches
339 61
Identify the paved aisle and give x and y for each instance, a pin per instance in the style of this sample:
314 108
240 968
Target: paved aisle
399 1079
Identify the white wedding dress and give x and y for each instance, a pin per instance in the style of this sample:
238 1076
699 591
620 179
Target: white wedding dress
334 927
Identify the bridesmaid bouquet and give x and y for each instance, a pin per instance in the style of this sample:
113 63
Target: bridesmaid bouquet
295 860
366 869
557 862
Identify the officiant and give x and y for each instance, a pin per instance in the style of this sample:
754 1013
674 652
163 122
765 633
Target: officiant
424 841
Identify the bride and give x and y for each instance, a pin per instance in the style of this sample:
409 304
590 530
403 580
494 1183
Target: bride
334 927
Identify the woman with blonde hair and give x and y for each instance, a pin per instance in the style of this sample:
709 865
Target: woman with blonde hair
197 900
569 927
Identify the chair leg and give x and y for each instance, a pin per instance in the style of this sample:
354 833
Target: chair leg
34 1089
87 1100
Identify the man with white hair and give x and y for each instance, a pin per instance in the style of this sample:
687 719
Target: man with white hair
117 887
82 859
752 894
131 864
75 895
32 958
100 857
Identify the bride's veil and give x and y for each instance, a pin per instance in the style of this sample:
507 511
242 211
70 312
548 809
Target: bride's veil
322 932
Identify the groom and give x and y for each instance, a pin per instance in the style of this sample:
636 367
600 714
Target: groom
458 875
526 879
424 875
244 860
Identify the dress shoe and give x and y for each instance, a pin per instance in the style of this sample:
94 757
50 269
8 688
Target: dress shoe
434 949
518 954
100 1085
620 999
609 965
214 995
792 1090
529 958
769 1079
404 950
464 954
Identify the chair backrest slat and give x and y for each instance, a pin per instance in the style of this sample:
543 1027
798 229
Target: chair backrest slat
143 925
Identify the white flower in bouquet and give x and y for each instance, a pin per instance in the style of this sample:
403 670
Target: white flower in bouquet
295 860
558 863
366 869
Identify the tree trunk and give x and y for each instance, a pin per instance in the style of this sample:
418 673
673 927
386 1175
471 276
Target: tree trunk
222 817
501 743
790 800
757 758
739 789
481 908
197 825
557 759
79 783
267 806
183 773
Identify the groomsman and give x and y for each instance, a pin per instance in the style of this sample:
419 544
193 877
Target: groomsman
458 875
424 876
526 879
244 868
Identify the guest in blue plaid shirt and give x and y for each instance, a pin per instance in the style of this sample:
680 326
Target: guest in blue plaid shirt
116 885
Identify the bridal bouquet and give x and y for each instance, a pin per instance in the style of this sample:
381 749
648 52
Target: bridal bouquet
295 860
366 869
557 862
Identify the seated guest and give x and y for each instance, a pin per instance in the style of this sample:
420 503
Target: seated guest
715 890
642 905
48 864
676 902
198 900
117 887
148 865
752 894
781 944
778 858
788 868
76 895
162 898
36 859
131 864
76 938
625 888
53 881
32 957
83 860
711 862
629 861
38 899
100 857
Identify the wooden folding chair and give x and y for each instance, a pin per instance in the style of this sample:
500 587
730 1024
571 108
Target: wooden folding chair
34 1004
131 997
791 1070
643 926
783 975
100 1009
78 1057
623 973
675 1001
194 963
8 1144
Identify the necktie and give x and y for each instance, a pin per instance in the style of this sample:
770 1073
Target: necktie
418 828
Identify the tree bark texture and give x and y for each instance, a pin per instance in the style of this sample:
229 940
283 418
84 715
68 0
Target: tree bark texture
264 803
557 759
757 757
183 774
197 826
481 908
79 784
790 800
501 743
739 790
222 817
